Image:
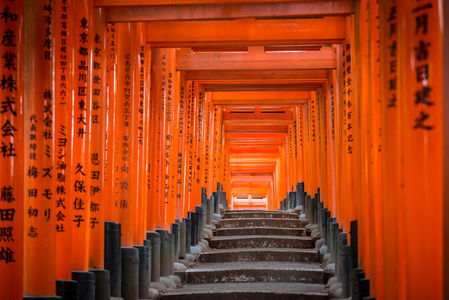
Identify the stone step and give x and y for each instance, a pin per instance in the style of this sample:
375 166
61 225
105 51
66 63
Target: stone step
269 222
265 271
261 241
260 254
261 231
249 291
260 214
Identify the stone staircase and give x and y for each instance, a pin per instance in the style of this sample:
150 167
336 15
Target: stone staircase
256 255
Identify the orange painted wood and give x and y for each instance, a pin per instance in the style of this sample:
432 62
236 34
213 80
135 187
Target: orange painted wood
177 2
422 127
111 209
12 181
64 58
81 162
39 187
98 131
124 145
181 33
170 137
154 195
254 59
376 149
139 171
181 183
271 75
228 11
392 197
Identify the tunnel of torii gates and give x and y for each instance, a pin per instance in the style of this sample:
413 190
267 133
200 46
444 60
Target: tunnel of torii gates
123 111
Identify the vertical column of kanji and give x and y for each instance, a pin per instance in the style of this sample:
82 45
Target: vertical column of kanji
349 157
148 139
193 144
300 130
422 127
98 132
323 145
217 145
375 167
64 60
208 181
163 155
196 127
332 156
361 72
39 205
135 142
321 159
187 152
156 128
12 150
314 135
201 141
307 151
81 118
170 148
111 205
339 130
181 155
289 144
140 124
123 129
295 145
391 30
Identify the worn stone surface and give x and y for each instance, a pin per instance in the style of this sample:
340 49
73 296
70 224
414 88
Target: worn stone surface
262 214
255 271
268 222
249 291
261 231
256 255
260 254
262 241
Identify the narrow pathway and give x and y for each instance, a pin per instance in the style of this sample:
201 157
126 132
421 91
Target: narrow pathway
256 255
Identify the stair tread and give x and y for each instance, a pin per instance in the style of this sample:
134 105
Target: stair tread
267 230
243 237
255 265
239 250
260 287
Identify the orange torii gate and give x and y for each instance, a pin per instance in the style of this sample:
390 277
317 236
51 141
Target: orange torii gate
122 111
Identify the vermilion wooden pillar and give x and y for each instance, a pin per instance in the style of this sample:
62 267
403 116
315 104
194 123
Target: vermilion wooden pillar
422 127
391 33
123 142
332 146
13 154
64 59
376 140
111 162
97 189
141 131
39 125
80 166
181 157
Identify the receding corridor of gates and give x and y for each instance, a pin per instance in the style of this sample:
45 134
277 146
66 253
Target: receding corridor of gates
224 149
